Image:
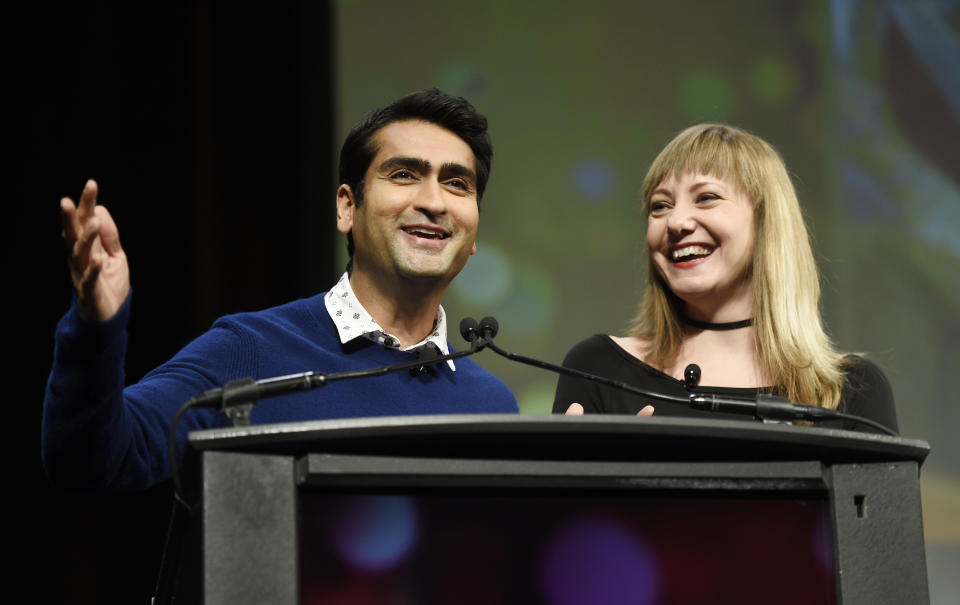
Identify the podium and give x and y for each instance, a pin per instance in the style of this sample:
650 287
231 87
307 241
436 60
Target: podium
663 510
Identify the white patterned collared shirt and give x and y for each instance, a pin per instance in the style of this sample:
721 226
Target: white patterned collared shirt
353 321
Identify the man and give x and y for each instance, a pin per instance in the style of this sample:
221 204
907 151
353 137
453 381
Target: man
412 175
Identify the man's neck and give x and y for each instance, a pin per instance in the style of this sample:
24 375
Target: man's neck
403 308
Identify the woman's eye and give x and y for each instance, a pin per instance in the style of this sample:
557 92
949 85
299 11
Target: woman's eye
707 197
658 207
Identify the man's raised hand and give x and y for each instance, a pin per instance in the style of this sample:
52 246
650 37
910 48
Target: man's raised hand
98 265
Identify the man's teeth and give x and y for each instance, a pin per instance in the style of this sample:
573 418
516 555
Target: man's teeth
681 253
426 233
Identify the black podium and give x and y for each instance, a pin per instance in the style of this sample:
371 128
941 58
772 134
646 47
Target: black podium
557 510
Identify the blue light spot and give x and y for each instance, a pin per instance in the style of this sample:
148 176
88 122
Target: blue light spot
375 532
865 199
593 178
486 277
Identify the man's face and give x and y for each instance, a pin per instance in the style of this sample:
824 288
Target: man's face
419 214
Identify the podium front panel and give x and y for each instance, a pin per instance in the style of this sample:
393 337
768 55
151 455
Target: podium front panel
752 512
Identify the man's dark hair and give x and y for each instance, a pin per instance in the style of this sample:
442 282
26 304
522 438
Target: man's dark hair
456 114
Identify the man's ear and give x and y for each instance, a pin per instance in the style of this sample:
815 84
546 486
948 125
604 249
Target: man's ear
346 205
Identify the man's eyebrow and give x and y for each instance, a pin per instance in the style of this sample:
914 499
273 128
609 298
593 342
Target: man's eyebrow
418 164
423 166
452 168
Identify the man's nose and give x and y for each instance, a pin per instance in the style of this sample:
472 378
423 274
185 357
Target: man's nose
431 200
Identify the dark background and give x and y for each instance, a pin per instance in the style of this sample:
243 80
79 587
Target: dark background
208 127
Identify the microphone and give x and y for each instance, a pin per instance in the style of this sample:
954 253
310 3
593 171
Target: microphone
469 329
691 377
247 391
489 327
485 331
237 398
763 406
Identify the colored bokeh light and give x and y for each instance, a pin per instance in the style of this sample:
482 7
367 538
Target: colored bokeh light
593 179
773 80
375 532
598 562
707 96
486 277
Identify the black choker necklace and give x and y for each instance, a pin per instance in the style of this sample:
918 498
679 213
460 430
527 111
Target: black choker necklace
706 325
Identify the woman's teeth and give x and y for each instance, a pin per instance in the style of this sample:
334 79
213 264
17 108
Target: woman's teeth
688 252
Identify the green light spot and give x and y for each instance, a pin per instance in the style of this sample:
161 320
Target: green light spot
461 79
537 398
773 80
706 96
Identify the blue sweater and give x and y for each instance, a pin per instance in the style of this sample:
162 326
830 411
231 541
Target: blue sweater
98 434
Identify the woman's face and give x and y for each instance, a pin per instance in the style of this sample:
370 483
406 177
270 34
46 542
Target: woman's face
701 238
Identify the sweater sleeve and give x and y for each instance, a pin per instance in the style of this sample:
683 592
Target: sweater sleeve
95 433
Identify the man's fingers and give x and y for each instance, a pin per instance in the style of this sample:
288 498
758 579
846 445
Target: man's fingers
88 281
83 253
75 215
88 200
109 234
646 411
70 224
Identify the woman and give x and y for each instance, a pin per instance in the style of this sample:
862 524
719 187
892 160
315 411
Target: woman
732 286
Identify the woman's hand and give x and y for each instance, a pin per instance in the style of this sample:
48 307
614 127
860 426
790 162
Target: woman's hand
576 409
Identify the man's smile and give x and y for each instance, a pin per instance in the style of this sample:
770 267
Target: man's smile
433 232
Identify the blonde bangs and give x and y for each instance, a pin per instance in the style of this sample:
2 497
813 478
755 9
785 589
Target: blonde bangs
711 149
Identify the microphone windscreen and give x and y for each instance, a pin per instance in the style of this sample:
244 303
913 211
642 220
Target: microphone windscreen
489 327
691 376
468 329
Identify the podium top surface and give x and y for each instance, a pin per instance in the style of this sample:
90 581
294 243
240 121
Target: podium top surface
534 437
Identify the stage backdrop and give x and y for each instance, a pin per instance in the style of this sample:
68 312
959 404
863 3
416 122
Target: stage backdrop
862 99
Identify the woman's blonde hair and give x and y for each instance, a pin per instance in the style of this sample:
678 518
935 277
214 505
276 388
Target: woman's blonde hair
792 346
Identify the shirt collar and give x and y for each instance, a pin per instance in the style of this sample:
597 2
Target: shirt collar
353 321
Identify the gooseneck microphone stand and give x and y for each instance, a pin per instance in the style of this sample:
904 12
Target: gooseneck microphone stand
237 398
763 406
